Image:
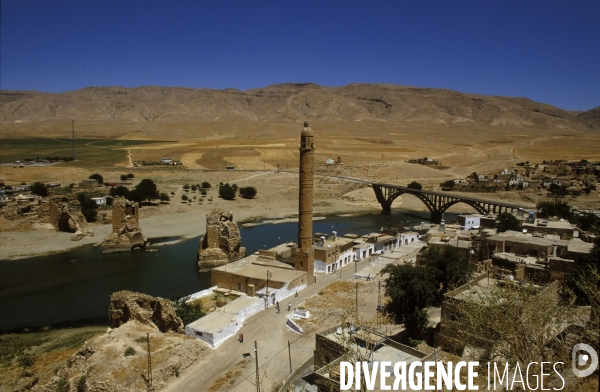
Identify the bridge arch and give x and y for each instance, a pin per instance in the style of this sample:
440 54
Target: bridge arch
418 195
478 207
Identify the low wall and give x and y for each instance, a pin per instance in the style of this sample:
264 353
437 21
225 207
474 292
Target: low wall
289 380
293 326
201 293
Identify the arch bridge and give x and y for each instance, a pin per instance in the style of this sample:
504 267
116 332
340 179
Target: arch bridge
438 202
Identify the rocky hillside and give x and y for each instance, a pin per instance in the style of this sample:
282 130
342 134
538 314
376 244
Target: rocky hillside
285 104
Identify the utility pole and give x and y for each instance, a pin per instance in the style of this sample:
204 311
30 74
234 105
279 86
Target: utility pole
73 129
290 355
379 312
267 295
356 299
256 358
148 378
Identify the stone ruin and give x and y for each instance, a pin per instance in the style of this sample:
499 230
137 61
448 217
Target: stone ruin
67 219
222 242
126 234
154 311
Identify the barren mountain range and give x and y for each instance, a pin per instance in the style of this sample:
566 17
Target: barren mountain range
118 111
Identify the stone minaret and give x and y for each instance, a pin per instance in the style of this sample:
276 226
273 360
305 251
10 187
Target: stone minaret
303 255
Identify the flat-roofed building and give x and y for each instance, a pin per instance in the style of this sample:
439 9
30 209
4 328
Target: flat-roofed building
224 322
562 228
333 345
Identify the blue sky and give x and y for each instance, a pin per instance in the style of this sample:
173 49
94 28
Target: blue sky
548 51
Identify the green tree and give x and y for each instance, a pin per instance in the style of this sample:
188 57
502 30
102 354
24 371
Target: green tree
448 184
558 208
451 268
123 177
206 185
89 208
588 221
147 189
410 290
193 187
507 221
130 176
234 187
184 198
247 192
118 191
39 188
97 177
187 312
226 192
415 185
164 197
135 195
558 190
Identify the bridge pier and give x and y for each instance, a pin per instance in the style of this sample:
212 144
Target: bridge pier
436 217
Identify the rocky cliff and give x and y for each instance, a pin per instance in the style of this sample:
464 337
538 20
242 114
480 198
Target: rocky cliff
154 311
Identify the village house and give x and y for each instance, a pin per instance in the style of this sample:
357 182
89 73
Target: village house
333 345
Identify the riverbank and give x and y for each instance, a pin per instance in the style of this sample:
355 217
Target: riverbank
185 225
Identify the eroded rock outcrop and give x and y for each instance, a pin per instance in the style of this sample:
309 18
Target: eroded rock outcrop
126 234
154 311
222 242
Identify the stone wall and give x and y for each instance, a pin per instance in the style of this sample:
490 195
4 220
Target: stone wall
126 233
222 243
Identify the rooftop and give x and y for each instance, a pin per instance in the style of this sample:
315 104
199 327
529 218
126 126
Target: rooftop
529 238
224 316
256 267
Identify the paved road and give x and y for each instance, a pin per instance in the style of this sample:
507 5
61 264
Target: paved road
269 330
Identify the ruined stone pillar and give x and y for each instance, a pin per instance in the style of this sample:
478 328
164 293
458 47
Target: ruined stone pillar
304 256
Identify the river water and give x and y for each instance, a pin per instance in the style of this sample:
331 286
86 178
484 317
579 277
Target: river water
76 285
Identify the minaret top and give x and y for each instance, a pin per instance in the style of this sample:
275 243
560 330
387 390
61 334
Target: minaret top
307 131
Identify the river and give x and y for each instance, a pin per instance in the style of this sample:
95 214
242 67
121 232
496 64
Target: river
76 285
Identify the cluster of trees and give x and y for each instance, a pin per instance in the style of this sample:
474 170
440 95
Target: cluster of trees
146 190
228 192
411 289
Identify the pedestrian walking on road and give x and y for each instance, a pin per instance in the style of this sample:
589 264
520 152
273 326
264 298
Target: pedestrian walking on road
289 306
241 338
277 306
296 294
315 277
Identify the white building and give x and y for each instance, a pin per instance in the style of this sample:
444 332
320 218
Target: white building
100 200
468 222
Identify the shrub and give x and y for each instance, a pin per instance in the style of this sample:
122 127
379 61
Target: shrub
248 192
164 197
193 188
203 192
129 351
130 175
186 187
97 177
39 188
227 192
206 185
415 185
184 197
123 177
